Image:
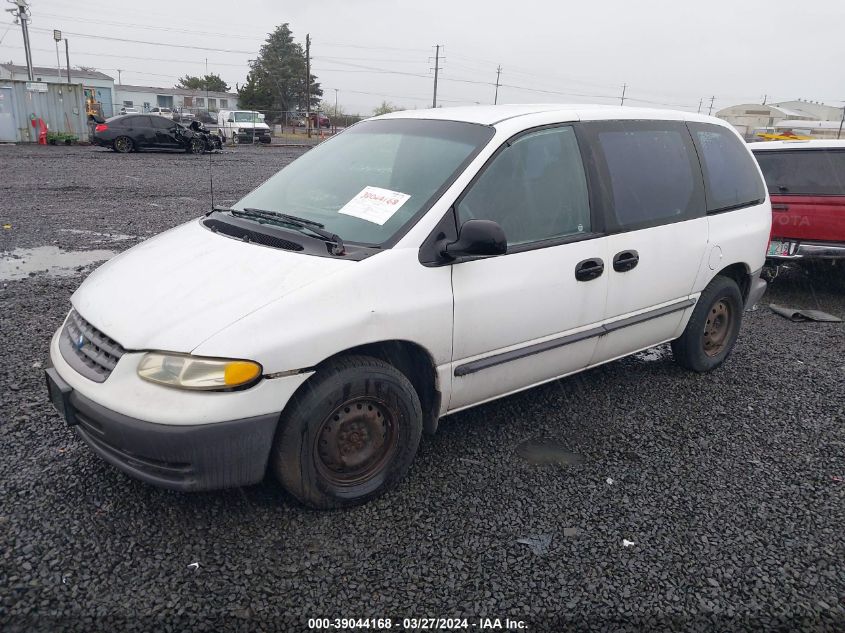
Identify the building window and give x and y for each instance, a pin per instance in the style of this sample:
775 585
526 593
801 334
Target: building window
212 104
164 101
200 102
146 106
224 103
127 104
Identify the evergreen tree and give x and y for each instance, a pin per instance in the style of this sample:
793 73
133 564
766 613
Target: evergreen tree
210 82
276 80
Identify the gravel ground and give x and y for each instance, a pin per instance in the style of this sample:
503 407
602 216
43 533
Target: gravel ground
682 502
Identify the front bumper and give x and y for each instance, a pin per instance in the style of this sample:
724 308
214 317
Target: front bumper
179 457
795 250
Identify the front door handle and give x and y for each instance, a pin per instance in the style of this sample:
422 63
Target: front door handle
625 261
589 269
780 207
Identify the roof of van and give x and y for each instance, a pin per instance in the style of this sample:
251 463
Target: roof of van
492 114
808 144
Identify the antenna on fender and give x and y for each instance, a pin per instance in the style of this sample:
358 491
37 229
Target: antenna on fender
210 170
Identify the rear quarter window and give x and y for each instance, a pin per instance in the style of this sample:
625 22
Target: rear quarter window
818 172
730 176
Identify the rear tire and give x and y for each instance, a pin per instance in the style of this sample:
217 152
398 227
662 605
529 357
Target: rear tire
713 327
349 435
123 145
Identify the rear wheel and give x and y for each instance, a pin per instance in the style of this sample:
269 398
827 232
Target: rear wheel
123 145
350 435
713 327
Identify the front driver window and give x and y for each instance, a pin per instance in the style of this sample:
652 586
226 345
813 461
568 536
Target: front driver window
535 189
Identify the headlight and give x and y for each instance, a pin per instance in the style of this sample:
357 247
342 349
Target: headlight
194 372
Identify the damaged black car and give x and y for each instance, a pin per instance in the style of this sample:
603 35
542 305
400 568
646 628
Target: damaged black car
134 132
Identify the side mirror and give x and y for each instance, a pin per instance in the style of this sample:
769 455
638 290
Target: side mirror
477 238
230 120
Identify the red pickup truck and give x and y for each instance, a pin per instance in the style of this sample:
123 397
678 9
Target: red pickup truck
806 182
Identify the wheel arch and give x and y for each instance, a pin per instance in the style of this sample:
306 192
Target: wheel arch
414 361
741 274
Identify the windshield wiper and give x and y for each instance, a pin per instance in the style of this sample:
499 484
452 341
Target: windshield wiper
278 217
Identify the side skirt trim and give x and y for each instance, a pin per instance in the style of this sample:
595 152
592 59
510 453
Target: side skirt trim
537 348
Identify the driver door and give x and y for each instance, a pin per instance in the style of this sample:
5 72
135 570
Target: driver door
533 314
165 133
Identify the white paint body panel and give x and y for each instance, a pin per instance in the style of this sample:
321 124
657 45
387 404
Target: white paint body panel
192 291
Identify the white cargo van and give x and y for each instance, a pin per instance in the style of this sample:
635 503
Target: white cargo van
242 126
318 326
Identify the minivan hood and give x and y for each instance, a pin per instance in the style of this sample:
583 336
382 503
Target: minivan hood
177 289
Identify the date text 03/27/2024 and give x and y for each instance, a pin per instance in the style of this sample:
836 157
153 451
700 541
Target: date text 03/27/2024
416 624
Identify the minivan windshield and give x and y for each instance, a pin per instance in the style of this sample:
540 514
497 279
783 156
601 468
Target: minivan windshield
374 178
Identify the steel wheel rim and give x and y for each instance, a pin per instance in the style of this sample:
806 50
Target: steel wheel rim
356 441
717 327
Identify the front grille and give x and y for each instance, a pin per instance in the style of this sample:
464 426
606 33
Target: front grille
87 350
248 235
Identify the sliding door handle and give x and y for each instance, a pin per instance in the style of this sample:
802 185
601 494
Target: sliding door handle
625 261
589 269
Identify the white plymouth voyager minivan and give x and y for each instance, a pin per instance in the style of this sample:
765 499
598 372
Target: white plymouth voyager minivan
415 265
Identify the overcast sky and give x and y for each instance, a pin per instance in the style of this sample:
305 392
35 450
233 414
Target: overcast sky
668 52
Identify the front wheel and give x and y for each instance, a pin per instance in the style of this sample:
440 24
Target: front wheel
713 327
197 146
349 435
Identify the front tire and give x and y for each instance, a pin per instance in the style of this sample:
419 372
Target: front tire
197 146
123 145
349 435
713 327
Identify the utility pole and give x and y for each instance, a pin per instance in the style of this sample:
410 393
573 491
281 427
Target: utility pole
710 111
498 72
335 110
624 87
839 133
308 84
67 60
119 81
436 70
700 103
21 12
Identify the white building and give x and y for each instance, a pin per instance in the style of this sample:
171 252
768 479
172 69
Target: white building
748 117
146 97
101 85
815 109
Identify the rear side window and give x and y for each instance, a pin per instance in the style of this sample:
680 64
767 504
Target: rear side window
804 172
730 176
651 172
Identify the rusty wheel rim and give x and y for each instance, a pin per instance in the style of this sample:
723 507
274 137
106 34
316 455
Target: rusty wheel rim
717 327
356 441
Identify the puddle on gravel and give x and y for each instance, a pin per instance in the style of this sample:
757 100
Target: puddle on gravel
101 237
546 451
654 353
51 260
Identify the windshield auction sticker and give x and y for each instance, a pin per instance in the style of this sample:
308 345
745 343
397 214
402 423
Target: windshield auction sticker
375 204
